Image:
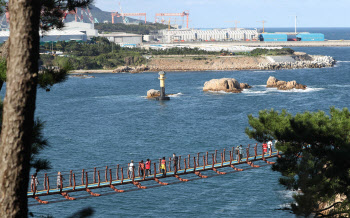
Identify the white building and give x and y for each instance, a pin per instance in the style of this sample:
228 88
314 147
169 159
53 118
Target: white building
187 35
73 31
87 28
123 38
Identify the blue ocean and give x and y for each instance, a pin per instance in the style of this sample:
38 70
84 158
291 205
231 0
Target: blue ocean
106 120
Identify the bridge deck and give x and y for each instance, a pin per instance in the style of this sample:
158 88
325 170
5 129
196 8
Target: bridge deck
158 175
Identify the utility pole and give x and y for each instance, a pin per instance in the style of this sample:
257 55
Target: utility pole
295 24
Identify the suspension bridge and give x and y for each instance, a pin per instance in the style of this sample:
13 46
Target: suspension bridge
117 177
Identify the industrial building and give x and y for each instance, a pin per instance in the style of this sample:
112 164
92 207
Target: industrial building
72 31
310 37
188 35
281 37
273 37
123 38
53 36
87 28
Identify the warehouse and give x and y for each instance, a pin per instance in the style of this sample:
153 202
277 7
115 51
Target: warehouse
53 36
310 37
123 38
273 37
63 35
188 35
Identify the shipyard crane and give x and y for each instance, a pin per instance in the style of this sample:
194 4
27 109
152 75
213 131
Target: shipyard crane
81 17
123 15
263 22
183 14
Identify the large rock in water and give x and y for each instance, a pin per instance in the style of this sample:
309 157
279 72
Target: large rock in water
225 84
152 93
283 85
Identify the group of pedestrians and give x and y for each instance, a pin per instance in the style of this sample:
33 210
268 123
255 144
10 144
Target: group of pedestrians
267 147
145 168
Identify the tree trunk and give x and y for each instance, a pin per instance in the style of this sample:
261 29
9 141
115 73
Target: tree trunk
19 107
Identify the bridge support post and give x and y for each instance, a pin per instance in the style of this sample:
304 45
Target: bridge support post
155 170
73 181
185 165
216 152
94 174
255 151
45 178
48 185
70 177
82 177
179 162
189 161
98 178
194 164
197 159
207 158
117 172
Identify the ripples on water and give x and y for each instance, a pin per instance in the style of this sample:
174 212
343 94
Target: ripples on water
107 120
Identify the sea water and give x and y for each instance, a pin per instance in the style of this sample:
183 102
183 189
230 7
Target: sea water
107 120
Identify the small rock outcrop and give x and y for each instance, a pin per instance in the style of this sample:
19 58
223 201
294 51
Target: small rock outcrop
272 82
225 84
136 69
152 93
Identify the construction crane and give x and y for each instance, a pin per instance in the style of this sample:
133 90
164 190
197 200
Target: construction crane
233 21
123 15
263 22
183 14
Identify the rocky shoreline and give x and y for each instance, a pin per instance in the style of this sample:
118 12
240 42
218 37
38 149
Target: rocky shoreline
317 61
224 63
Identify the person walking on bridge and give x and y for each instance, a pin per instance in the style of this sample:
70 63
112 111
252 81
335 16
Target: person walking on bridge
269 146
237 152
142 167
163 166
148 167
131 169
264 147
34 182
175 161
59 180
241 152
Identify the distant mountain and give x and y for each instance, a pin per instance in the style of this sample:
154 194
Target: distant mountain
100 15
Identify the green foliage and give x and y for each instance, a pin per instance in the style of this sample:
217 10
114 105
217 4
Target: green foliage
316 162
141 28
39 144
272 52
48 77
199 58
3 69
182 51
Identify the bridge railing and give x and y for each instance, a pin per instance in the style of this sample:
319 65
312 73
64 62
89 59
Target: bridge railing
124 172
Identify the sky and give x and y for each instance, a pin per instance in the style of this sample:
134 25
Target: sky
217 13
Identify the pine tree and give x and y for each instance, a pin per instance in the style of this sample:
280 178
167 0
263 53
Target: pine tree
26 19
316 157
